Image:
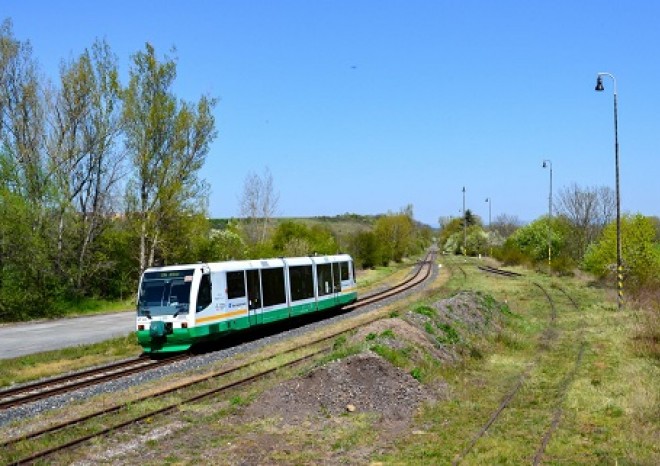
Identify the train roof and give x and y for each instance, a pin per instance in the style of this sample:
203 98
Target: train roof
256 263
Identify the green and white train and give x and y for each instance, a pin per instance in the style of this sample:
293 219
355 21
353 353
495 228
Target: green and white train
181 305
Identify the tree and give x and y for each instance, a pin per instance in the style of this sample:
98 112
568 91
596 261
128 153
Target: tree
365 249
22 118
28 284
258 205
296 239
505 225
168 142
395 233
640 252
85 122
532 239
587 210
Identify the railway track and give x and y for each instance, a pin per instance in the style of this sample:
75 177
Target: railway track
312 348
24 394
495 271
562 388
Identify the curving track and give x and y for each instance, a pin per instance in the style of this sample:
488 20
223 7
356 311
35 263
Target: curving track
547 334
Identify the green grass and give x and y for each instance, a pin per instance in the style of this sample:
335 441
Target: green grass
89 306
608 403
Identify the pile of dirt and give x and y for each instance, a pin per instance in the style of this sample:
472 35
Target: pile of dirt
475 311
360 383
468 313
405 335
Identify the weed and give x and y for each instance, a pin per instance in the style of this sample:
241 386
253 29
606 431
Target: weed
387 333
451 336
395 357
339 342
425 311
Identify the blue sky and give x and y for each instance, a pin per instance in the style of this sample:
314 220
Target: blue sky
368 106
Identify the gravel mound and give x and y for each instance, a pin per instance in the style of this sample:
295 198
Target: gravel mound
361 383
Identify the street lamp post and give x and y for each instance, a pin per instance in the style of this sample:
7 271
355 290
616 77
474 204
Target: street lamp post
548 164
619 266
489 201
464 226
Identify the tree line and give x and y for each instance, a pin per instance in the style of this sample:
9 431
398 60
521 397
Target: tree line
582 235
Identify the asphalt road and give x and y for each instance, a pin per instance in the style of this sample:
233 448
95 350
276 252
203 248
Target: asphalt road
22 339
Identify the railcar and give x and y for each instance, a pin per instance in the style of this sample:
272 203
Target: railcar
181 305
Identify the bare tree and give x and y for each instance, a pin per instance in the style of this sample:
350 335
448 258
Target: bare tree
505 225
587 210
258 205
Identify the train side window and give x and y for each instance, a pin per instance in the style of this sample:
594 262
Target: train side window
204 294
344 271
272 281
235 285
301 281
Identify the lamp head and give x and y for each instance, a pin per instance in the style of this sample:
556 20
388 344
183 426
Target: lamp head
599 84
544 164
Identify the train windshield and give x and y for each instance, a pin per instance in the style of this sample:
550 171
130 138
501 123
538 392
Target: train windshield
165 293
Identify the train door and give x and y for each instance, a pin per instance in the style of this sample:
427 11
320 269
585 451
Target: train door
255 306
336 282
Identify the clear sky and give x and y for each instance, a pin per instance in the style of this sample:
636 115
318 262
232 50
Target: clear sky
366 106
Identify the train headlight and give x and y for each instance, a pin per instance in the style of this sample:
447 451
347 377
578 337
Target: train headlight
184 324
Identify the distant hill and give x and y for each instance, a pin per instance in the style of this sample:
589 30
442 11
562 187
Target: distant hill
341 225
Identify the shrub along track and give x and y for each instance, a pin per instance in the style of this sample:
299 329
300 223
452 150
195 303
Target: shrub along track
548 334
21 450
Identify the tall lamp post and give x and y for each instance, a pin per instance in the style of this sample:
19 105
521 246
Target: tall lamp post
489 201
619 266
548 164
464 226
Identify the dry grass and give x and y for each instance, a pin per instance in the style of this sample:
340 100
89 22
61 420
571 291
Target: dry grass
41 365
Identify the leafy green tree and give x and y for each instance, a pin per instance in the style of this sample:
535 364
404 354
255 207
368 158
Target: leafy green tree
365 249
532 239
296 239
395 233
639 249
168 142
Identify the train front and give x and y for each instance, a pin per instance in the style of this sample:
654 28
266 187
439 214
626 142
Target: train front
163 308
